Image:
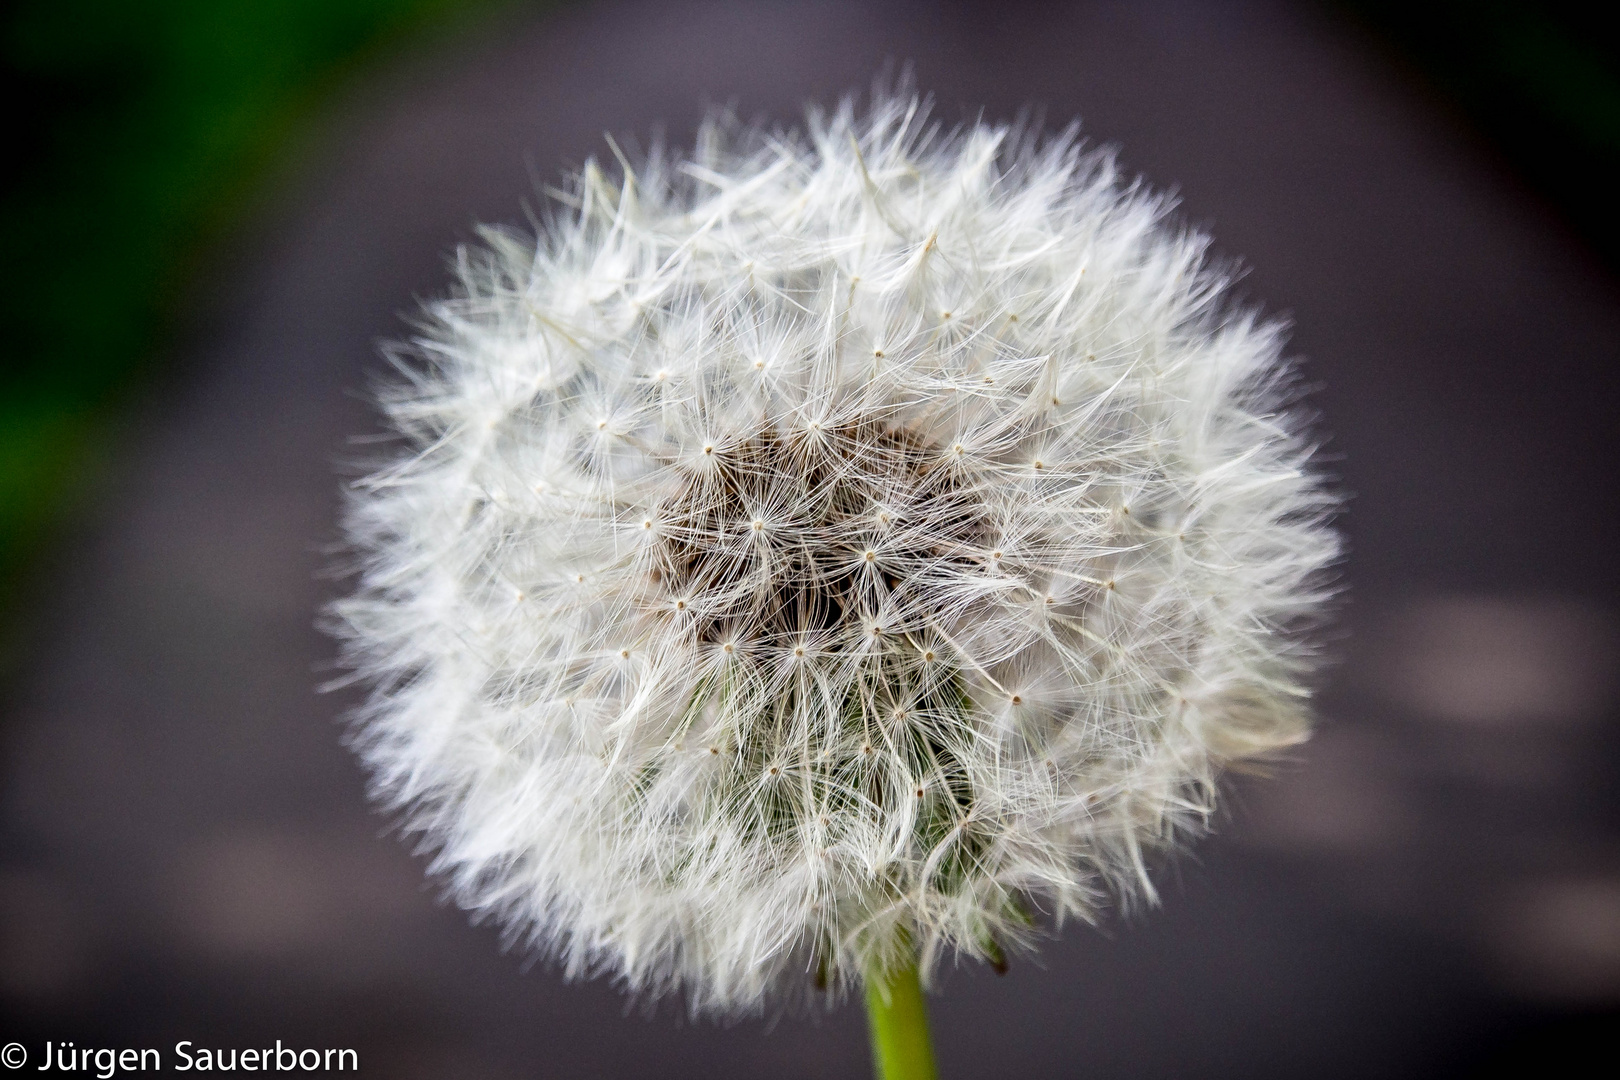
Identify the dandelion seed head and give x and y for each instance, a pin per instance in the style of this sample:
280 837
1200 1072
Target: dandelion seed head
964 633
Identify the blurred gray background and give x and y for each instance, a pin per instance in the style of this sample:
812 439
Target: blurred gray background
1431 889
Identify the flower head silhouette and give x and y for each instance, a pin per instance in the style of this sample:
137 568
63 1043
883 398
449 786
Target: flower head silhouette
827 549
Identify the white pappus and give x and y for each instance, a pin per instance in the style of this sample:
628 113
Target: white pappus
826 548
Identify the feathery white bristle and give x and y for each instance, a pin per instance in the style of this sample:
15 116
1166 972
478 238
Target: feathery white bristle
825 543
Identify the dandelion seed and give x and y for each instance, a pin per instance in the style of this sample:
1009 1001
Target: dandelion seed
841 692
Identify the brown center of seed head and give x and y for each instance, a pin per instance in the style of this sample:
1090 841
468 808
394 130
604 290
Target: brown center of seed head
797 584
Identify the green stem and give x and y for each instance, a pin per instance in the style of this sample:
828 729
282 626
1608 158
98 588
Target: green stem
901 1049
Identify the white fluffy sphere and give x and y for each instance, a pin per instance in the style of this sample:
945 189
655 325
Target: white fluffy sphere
826 547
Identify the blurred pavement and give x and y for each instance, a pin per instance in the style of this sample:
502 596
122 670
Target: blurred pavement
185 849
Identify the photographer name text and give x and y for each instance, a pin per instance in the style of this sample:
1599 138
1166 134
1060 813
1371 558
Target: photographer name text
186 1056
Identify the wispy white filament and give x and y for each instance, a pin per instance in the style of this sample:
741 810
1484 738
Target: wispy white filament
828 543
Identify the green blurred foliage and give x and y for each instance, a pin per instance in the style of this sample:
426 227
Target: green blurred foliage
141 128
